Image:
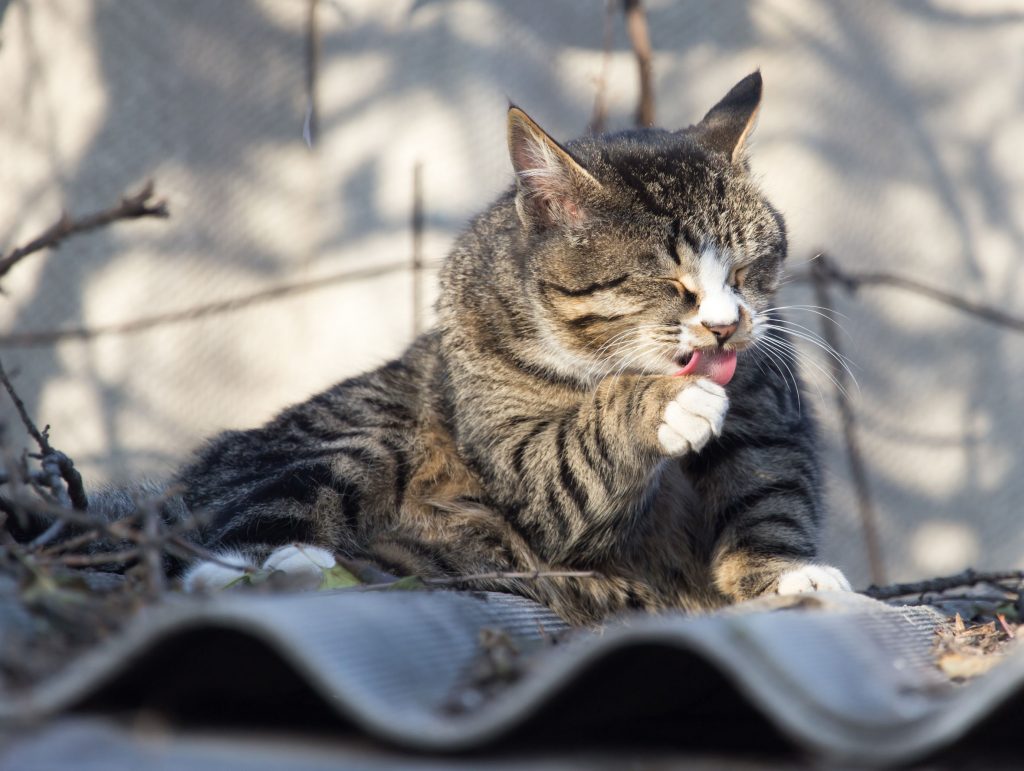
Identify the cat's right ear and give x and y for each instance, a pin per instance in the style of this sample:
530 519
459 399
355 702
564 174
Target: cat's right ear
551 187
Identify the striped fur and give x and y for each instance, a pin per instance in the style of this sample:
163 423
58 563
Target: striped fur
523 432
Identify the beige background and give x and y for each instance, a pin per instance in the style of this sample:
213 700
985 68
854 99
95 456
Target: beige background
890 137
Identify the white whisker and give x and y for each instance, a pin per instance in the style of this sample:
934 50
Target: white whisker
841 360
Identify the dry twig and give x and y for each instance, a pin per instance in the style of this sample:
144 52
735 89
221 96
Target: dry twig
416 226
531 575
130 207
968 577
636 26
50 336
858 470
600 114
824 268
58 469
311 128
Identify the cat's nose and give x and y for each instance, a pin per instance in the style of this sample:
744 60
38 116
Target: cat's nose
722 332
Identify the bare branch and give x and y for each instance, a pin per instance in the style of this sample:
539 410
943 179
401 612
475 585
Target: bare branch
57 469
120 557
19 405
416 225
967 578
600 114
531 575
69 544
50 336
152 551
130 207
636 26
311 129
181 547
826 269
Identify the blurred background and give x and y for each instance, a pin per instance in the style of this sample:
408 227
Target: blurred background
889 136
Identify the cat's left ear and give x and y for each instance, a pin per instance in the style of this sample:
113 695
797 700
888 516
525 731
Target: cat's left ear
551 187
728 124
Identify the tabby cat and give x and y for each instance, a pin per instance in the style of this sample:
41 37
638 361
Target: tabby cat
590 400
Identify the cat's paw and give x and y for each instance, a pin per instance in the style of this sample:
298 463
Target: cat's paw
209 576
696 414
813 578
300 558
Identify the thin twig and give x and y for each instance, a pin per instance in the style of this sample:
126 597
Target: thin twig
311 128
15 549
120 557
72 516
827 269
636 25
858 469
152 553
531 575
968 577
57 468
600 114
53 530
69 544
19 405
180 547
1006 627
416 225
933 598
50 336
130 207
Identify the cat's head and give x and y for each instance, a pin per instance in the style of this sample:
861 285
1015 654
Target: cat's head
647 251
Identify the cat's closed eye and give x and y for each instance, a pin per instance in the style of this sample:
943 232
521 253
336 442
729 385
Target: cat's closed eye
678 286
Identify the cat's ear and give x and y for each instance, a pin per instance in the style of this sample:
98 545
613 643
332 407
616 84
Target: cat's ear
551 187
728 124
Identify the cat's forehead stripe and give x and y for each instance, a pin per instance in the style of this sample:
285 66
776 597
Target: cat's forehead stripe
673 238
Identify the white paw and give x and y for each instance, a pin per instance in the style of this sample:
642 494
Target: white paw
813 578
300 558
213 576
692 418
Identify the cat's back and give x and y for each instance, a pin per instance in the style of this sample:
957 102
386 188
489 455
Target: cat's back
368 420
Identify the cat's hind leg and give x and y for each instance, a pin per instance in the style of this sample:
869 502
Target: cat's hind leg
301 561
208 576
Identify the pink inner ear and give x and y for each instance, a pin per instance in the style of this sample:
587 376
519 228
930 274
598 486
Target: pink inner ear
546 177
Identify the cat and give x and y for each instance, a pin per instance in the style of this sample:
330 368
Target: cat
591 399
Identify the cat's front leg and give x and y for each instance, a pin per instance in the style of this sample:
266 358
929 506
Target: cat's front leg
760 490
692 417
743 575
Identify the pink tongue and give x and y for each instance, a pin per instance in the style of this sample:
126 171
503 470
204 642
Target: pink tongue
719 366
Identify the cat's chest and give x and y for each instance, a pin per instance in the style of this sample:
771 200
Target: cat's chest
675 495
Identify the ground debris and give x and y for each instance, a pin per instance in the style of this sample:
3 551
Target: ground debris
47 623
964 651
984 612
500 663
